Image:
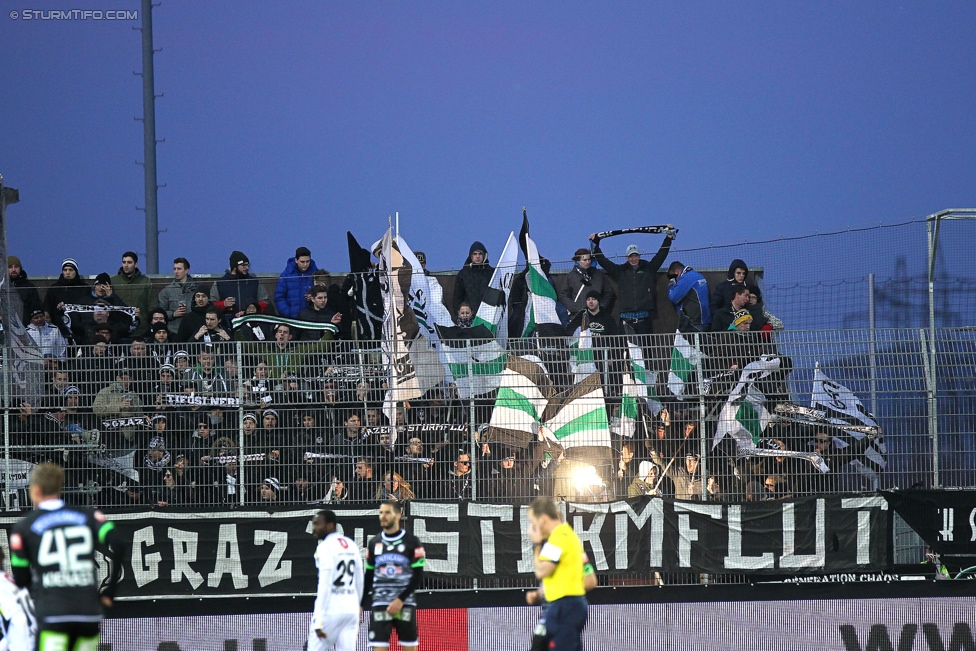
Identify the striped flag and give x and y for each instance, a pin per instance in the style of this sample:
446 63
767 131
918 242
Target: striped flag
523 393
645 381
578 417
841 406
492 313
475 359
476 356
540 313
685 359
581 361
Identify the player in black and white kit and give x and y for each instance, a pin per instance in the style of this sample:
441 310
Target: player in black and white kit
335 619
52 550
394 570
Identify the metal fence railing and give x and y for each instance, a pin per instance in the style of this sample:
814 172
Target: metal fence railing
265 423
140 425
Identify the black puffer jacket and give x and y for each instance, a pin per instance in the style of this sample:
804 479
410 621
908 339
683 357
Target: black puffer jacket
722 294
472 281
636 286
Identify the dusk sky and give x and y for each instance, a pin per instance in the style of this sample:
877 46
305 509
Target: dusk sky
288 123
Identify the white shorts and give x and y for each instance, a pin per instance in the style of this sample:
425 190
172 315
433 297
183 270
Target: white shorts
340 634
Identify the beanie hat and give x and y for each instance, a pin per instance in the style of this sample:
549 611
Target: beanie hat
103 279
14 260
69 261
741 316
593 294
250 416
236 258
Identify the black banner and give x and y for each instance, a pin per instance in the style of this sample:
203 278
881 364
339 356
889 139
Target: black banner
945 520
247 552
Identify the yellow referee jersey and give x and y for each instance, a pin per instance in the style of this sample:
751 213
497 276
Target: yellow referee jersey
565 550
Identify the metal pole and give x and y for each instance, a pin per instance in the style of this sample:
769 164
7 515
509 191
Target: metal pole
149 139
702 466
932 228
471 427
240 422
6 427
933 412
7 317
872 346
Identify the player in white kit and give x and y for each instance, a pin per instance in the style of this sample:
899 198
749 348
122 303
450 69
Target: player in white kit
335 620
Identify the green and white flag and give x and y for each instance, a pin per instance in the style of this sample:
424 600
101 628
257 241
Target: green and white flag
578 417
476 356
645 381
581 361
475 364
523 393
744 416
493 311
540 313
685 359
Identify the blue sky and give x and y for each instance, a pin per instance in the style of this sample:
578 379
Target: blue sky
289 123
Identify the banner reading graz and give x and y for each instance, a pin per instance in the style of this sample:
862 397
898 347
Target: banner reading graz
253 552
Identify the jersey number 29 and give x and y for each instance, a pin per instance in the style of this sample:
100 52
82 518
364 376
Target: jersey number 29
345 573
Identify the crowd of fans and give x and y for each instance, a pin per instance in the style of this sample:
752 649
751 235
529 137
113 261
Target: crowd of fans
159 400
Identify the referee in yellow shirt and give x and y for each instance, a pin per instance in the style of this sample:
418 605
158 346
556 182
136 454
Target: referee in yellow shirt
559 564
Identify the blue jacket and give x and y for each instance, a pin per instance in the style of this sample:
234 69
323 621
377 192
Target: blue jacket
689 294
292 287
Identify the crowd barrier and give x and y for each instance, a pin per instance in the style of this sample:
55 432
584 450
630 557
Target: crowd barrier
882 617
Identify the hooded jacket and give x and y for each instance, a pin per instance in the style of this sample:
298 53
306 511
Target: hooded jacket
28 295
689 295
722 294
292 286
473 280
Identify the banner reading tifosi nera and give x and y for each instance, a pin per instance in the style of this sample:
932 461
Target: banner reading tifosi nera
246 552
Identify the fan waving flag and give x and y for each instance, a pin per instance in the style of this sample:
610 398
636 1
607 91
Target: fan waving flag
540 313
841 406
476 356
492 313
744 416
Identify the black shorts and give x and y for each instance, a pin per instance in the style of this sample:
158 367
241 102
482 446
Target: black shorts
382 623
